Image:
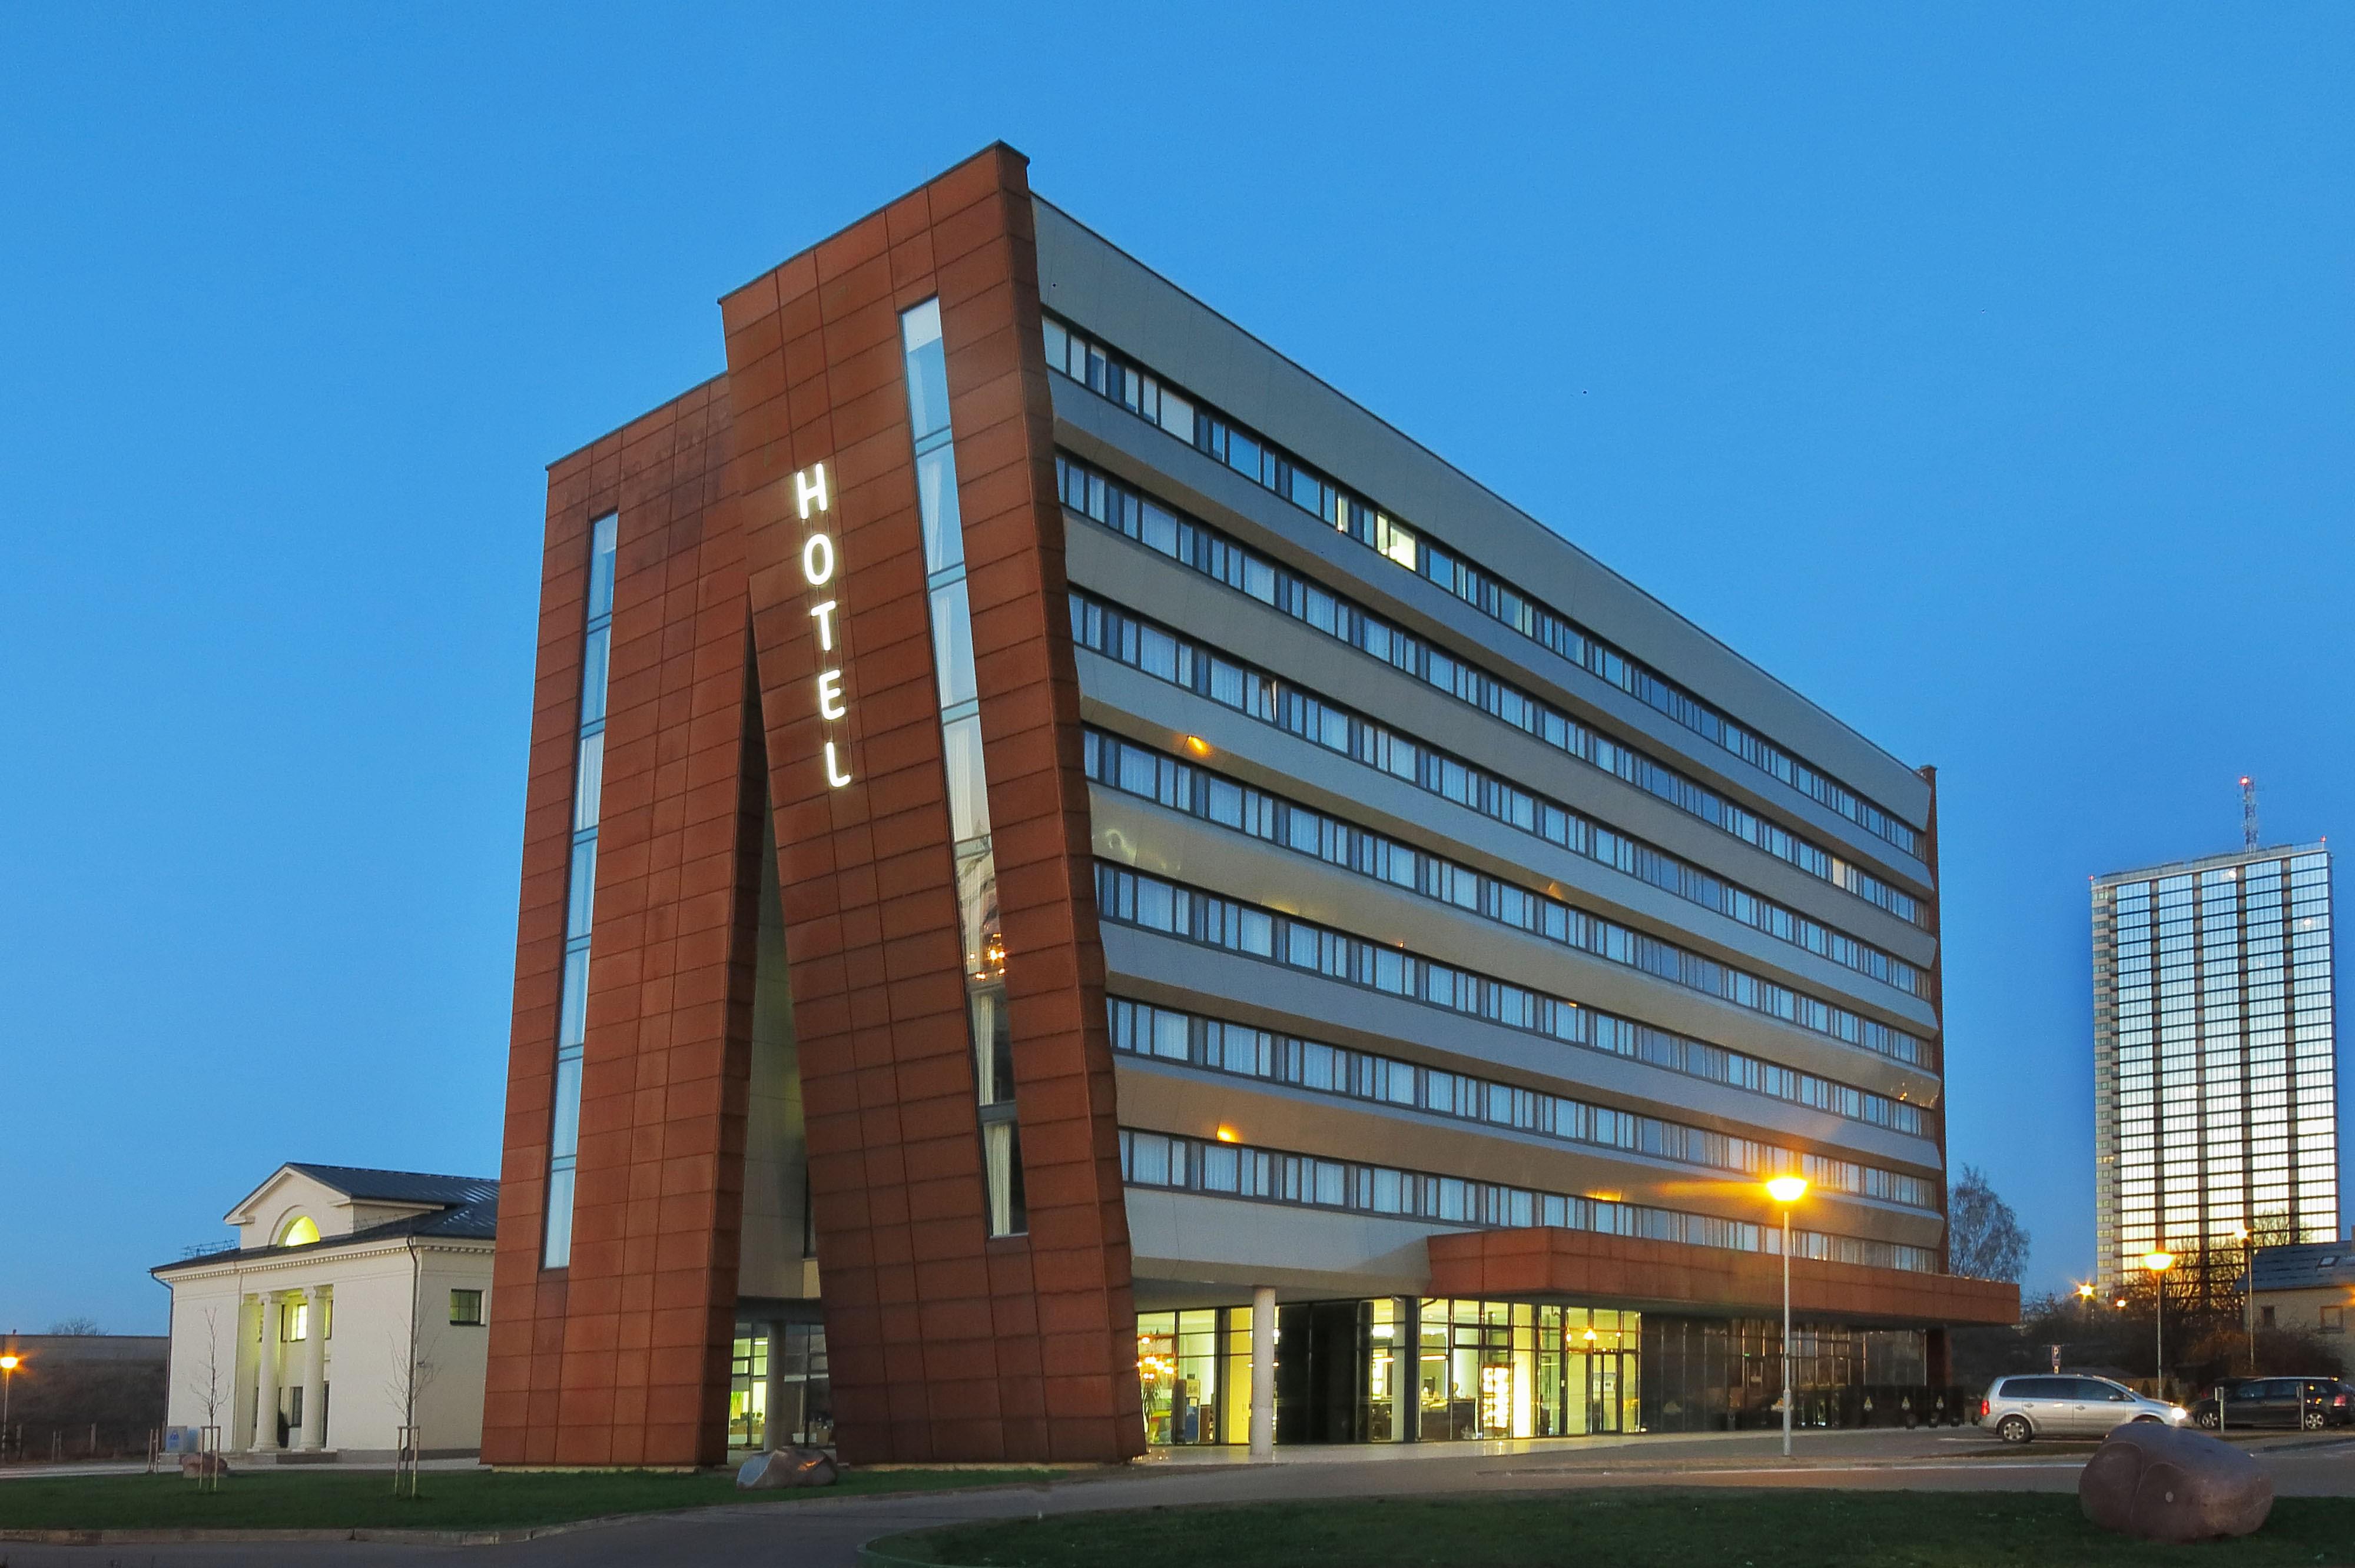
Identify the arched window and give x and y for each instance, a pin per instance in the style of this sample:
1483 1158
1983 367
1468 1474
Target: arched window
299 1232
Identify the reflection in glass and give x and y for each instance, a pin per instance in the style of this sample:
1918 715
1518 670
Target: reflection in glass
944 525
968 788
993 1045
952 645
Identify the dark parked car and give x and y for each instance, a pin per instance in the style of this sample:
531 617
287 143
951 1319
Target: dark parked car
2312 1403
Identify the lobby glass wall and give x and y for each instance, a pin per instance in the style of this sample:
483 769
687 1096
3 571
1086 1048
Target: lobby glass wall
804 1388
1721 1374
1394 1369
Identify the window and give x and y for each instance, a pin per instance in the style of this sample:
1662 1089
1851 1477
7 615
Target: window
1103 370
2334 1319
2264 1317
466 1308
926 365
588 799
293 1323
300 1232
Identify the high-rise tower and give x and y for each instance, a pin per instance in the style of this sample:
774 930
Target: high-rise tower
2214 1060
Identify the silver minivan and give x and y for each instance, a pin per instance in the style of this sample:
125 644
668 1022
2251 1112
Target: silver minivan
2046 1405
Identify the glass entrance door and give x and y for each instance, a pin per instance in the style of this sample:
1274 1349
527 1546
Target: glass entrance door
1609 1381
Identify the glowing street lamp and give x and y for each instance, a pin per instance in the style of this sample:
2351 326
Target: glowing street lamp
9 1363
2158 1262
1786 1191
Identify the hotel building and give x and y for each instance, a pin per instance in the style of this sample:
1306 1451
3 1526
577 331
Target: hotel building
2215 1063
1082 891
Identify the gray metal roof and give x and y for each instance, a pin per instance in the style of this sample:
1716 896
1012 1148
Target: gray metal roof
2308 1266
467 1208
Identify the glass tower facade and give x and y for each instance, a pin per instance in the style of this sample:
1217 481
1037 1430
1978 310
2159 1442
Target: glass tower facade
2215 1061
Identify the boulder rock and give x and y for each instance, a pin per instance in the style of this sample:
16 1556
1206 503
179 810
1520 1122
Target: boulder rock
2167 1483
806 1467
199 1465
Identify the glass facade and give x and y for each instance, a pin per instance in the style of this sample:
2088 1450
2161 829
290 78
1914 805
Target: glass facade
580 895
804 1388
1206 550
2215 1061
1399 1369
1108 374
1227 1169
1133 898
968 779
1167 1034
1202 792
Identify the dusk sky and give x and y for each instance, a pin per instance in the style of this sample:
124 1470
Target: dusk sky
1983 373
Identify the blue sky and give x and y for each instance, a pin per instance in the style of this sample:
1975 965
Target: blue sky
1983 371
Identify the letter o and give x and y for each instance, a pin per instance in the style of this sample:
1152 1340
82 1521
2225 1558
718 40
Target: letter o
817 560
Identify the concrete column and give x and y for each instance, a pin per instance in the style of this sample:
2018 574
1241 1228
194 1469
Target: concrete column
265 1389
1406 1371
315 1371
774 1393
1263 1416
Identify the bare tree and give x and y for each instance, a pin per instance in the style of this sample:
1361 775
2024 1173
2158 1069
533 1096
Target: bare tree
413 1373
211 1385
76 1326
1984 1239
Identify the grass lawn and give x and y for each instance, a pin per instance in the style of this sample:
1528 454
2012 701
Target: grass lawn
1624 1530
446 1499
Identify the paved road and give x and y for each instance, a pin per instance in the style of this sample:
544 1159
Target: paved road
827 1532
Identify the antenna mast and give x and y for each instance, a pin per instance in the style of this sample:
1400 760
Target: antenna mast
2248 812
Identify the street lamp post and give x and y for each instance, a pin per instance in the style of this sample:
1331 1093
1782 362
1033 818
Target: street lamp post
8 1364
2085 1308
2158 1262
1786 1191
2248 1293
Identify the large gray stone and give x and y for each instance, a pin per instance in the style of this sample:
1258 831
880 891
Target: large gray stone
786 1468
2171 1484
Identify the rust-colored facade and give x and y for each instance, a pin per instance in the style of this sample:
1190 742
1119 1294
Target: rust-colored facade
946 1343
768 1097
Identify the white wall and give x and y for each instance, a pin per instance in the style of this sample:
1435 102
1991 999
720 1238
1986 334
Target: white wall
366 1353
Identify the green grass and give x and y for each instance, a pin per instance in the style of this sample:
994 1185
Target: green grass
446 1499
1624 1530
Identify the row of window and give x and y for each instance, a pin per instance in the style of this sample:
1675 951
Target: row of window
1104 628
1128 512
1166 1034
1105 372
1237 1170
1135 898
1185 787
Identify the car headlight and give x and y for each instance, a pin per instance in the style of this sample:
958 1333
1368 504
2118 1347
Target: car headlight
2177 1413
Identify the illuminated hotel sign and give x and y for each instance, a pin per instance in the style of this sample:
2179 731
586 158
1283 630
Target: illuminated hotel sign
819 564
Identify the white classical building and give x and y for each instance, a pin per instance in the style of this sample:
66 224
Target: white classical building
353 1306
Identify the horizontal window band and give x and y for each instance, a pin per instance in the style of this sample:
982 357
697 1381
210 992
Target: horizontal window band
1125 896
1112 376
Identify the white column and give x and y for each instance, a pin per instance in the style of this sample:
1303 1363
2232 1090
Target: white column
774 1395
315 1371
1263 1416
1406 1371
265 1390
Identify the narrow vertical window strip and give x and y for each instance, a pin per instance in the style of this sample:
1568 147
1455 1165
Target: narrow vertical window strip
581 894
951 623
